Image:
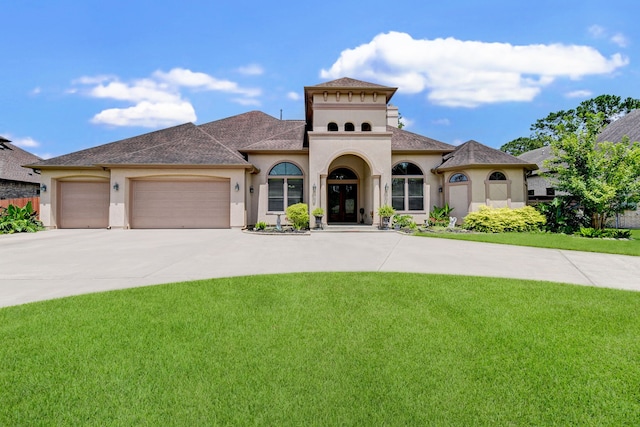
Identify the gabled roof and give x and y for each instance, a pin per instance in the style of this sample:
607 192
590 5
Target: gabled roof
185 144
347 82
537 156
402 140
11 160
474 154
628 125
249 129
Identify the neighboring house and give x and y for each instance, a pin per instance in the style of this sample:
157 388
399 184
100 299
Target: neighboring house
348 157
16 181
542 188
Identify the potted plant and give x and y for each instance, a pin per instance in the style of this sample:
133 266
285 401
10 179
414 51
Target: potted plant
318 213
385 212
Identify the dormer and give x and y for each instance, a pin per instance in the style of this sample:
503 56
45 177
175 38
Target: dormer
348 105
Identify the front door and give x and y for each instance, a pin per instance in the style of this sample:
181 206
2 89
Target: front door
343 203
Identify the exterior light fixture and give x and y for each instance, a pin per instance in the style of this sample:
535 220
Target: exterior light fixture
237 187
386 187
43 188
314 187
251 189
116 186
439 189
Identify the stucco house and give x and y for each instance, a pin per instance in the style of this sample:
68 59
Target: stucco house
348 157
16 181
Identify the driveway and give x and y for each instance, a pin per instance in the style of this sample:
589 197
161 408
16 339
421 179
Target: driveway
60 263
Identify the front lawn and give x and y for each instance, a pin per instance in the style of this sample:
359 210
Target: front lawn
326 349
550 240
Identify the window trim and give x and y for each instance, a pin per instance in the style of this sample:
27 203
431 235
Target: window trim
465 180
406 195
285 186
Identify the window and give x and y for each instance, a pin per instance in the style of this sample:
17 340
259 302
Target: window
342 173
551 191
458 177
531 192
285 184
497 176
365 127
349 127
407 187
332 127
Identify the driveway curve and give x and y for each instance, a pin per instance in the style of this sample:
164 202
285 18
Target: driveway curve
59 263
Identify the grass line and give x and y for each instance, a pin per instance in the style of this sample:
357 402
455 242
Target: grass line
325 349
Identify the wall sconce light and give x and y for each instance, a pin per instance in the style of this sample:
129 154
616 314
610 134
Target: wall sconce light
439 189
251 189
43 188
386 187
314 188
237 187
116 186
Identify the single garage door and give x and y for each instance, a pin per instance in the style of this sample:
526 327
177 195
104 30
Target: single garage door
83 204
180 204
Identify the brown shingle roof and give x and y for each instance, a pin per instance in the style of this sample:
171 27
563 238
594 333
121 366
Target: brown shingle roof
245 130
11 160
402 140
537 156
629 125
346 82
182 145
475 154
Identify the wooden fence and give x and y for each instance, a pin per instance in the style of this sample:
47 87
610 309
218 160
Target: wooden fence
22 202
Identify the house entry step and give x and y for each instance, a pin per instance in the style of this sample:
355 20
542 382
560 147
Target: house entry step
348 228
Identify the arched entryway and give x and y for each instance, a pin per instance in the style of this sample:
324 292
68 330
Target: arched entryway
342 197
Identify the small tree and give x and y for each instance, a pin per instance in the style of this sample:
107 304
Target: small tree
603 177
298 214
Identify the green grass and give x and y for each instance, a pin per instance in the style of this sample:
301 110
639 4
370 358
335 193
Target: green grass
326 349
551 240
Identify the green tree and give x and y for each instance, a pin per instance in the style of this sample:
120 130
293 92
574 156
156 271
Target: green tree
602 177
545 130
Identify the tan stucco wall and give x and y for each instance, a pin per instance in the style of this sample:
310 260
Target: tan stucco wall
119 202
50 178
341 110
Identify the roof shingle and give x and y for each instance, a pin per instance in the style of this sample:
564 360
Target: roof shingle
474 154
11 160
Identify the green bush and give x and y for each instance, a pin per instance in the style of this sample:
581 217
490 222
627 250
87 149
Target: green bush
610 233
18 220
298 215
440 216
386 211
489 220
318 212
260 225
404 221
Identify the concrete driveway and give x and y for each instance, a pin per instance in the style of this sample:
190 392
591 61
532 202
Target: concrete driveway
60 263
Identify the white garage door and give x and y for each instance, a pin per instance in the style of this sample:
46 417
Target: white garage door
180 204
83 204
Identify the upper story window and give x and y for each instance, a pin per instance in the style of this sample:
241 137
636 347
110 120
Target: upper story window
342 173
365 127
349 127
285 186
407 187
458 177
497 176
332 127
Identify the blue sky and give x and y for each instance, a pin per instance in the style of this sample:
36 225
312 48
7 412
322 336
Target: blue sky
77 74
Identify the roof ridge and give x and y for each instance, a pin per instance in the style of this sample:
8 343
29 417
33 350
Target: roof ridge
233 152
274 135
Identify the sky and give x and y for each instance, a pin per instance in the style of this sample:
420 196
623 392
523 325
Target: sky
77 74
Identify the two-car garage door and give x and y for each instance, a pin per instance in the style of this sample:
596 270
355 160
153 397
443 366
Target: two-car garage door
153 204
180 204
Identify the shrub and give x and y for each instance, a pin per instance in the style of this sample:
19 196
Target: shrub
440 216
298 215
404 221
318 212
611 233
386 211
18 220
488 220
260 225
563 215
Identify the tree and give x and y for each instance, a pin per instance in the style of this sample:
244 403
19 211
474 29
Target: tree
545 130
602 177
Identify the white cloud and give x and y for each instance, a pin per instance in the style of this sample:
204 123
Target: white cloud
460 73
578 94
36 91
24 142
597 31
148 114
441 122
247 102
294 96
157 101
251 70
620 40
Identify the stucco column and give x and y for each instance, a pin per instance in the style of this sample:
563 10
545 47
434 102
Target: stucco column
377 197
322 198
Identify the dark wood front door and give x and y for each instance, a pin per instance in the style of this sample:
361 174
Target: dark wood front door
343 206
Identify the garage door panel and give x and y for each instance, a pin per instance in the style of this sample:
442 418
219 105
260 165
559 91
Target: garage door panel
180 204
83 204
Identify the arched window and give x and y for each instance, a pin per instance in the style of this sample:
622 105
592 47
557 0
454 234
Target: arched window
458 177
332 127
365 127
285 184
497 176
407 187
349 127
342 173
